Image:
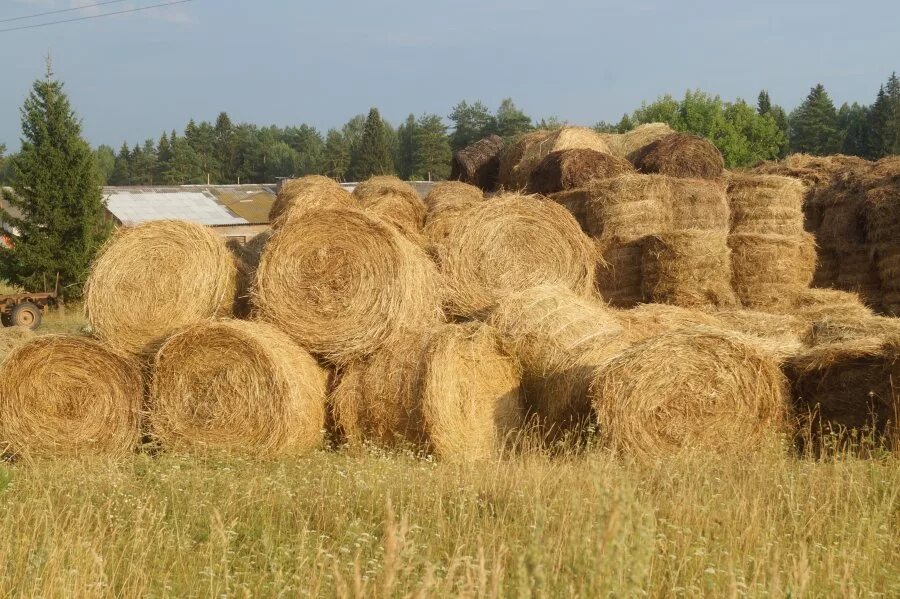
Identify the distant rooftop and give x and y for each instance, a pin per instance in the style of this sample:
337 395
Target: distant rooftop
212 205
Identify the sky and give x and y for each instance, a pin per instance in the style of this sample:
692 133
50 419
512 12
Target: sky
133 76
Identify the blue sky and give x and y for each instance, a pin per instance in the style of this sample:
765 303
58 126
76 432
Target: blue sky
288 62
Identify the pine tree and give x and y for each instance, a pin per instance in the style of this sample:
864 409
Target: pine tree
432 149
406 150
879 142
163 156
764 106
892 91
853 122
814 128
374 149
224 147
121 174
336 156
55 187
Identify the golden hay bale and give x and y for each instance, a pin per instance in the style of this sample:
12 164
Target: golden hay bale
629 207
652 320
559 338
11 337
237 386
627 145
376 399
848 386
66 396
814 304
471 394
699 205
402 211
765 204
841 328
521 157
247 257
439 228
781 335
511 243
691 269
769 270
812 170
695 389
681 155
620 279
342 283
570 169
312 191
153 279
383 185
479 164
451 195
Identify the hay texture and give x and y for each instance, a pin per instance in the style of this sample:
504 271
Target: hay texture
559 339
811 170
238 387
379 185
629 144
781 335
154 279
512 243
451 195
652 320
629 207
310 192
697 205
690 268
66 396
681 155
521 157
11 337
882 211
471 393
478 164
769 270
842 328
570 169
342 283
698 389
849 386
765 204
814 304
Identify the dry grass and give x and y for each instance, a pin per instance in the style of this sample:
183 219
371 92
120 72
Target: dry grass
629 144
765 204
11 337
681 155
63 396
236 386
571 169
770 270
310 192
154 279
690 268
521 157
478 164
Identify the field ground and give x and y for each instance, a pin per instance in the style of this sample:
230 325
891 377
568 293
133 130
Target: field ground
370 523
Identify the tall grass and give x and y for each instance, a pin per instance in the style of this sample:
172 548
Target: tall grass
393 525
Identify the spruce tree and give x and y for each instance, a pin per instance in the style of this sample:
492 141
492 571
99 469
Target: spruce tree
374 149
879 139
56 189
764 103
853 122
433 153
892 91
336 157
814 127
406 151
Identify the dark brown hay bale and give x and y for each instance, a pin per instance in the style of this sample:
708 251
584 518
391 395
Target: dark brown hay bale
342 283
769 270
858 272
826 268
154 279
63 396
691 269
451 195
848 386
619 275
570 169
11 337
559 338
237 386
470 391
698 389
765 204
681 155
310 192
512 243
478 164
521 157
576 201
629 144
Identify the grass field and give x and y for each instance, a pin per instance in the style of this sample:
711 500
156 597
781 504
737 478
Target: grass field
369 523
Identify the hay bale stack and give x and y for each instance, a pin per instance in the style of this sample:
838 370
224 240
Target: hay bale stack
849 386
652 320
394 201
559 339
11 337
841 328
470 391
342 283
479 164
765 204
882 209
813 171
698 205
571 169
520 158
814 304
698 390
310 192
66 396
629 144
781 335
770 270
681 155
688 268
512 243
239 387
154 279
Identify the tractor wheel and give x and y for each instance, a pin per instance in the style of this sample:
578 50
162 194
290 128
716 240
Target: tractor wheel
27 315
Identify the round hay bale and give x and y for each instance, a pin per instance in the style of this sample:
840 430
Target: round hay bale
11 337
312 191
239 387
700 389
629 207
570 169
765 204
64 396
691 269
848 386
513 243
627 145
369 190
479 164
698 205
342 283
815 304
559 338
402 211
652 320
769 270
451 195
681 155
521 157
812 170
781 335
154 279
439 227
471 393
620 279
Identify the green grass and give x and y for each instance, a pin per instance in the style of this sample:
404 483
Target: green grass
394 525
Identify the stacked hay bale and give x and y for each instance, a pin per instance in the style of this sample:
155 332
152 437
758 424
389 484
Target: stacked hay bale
564 170
395 202
520 158
445 204
310 192
773 259
478 164
681 155
628 145
882 208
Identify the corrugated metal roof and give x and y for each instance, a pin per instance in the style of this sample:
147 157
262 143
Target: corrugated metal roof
132 207
251 202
